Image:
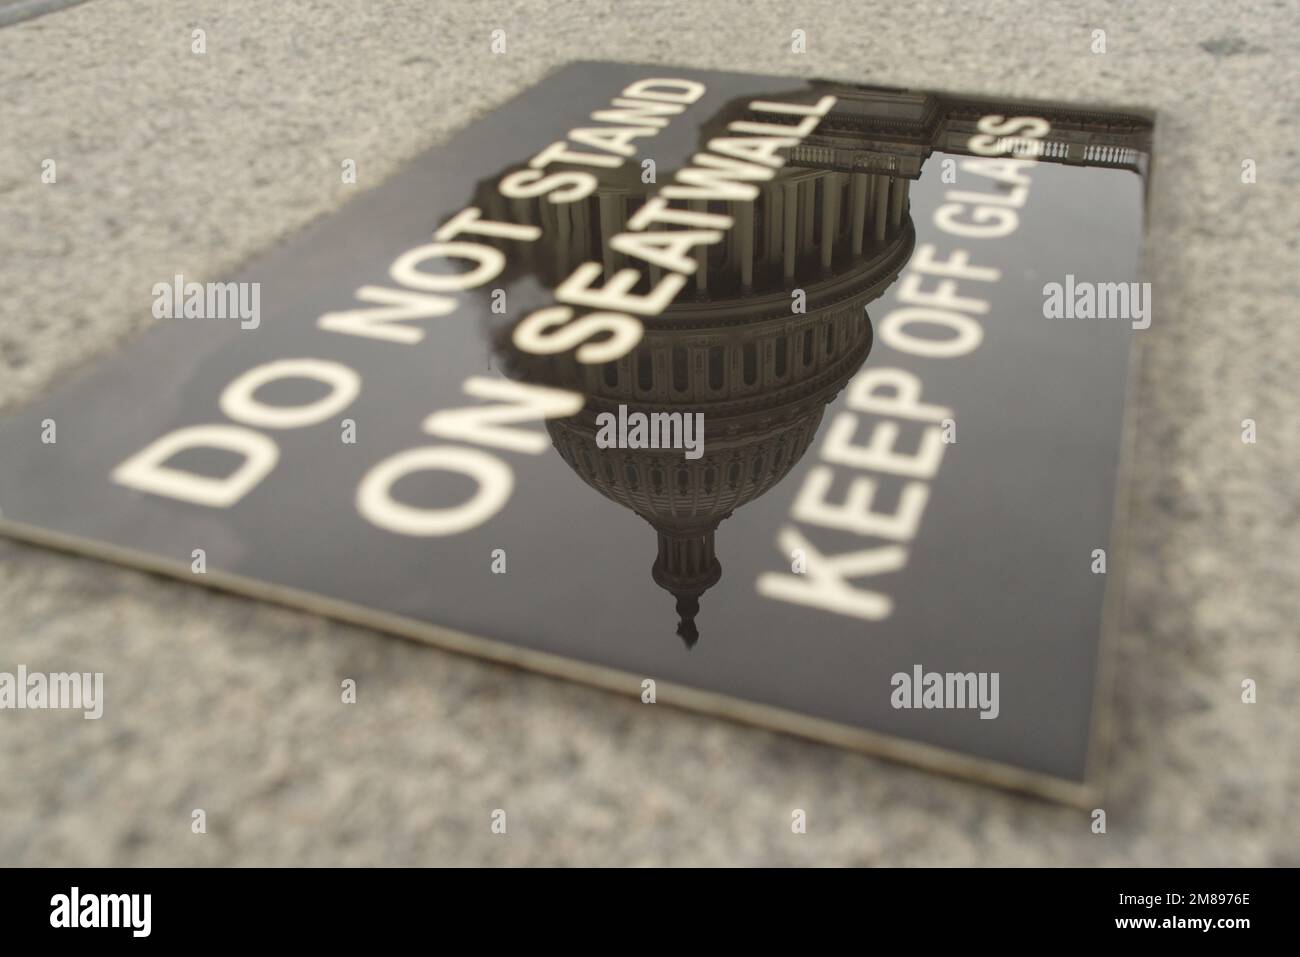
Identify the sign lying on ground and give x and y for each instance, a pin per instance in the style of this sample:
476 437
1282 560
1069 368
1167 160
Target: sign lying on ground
798 403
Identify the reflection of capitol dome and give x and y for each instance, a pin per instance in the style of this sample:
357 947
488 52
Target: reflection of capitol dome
761 374
731 347
833 223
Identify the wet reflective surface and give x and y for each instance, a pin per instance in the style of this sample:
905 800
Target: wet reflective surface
904 461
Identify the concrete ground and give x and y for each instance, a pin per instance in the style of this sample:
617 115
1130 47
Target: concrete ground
171 162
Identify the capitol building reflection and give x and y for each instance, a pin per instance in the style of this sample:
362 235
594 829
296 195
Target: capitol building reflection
772 325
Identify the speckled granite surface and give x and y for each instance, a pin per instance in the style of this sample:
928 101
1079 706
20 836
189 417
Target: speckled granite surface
169 163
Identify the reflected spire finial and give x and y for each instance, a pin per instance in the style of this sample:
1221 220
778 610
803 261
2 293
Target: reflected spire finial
688 606
686 568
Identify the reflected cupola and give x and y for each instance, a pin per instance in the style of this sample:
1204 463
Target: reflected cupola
733 348
772 324
769 329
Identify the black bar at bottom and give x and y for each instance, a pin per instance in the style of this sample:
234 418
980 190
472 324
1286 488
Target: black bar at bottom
334 906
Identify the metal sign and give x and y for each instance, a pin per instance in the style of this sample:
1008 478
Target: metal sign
801 403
